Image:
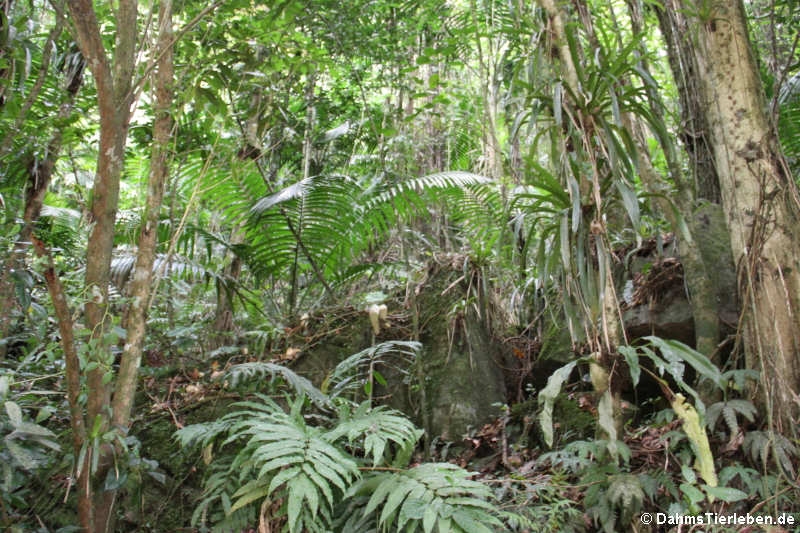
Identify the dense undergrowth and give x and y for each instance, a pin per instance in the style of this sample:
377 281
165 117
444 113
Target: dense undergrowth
257 445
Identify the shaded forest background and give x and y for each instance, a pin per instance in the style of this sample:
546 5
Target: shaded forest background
380 265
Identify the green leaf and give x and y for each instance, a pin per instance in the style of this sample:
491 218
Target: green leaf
547 399
726 494
698 361
692 493
385 488
413 509
282 477
33 429
630 202
429 519
14 413
299 489
394 500
468 523
688 474
22 455
259 491
632 358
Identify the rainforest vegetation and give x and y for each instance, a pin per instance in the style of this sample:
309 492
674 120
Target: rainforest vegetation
390 265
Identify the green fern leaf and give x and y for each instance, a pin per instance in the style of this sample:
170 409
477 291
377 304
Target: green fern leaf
248 496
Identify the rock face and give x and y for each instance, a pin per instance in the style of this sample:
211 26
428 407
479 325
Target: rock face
456 378
462 382
655 298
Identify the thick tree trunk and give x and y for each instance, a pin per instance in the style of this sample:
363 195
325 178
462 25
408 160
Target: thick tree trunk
760 202
696 130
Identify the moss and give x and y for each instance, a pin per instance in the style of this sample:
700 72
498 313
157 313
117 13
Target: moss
168 506
570 421
462 381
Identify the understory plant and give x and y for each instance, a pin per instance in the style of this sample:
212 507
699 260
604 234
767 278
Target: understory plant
668 466
304 460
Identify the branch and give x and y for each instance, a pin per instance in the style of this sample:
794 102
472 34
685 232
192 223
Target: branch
137 87
65 327
87 32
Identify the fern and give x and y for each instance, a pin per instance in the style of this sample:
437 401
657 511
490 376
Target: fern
267 454
377 427
761 444
431 495
251 371
280 455
728 411
201 435
348 373
626 493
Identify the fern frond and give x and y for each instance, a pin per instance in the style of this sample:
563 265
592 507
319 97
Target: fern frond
625 491
431 495
375 428
728 410
249 371
761 444
201 435
346 374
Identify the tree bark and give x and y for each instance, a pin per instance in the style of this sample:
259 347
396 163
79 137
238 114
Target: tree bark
695 129
136 316
113 81
761 205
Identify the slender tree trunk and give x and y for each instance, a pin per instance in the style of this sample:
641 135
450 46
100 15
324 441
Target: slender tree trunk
72 372
223 315
761 205
611 333
113 81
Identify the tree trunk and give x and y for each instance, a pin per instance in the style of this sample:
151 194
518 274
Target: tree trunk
223 315
761 205
113 81
696 130
608 334
136 316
